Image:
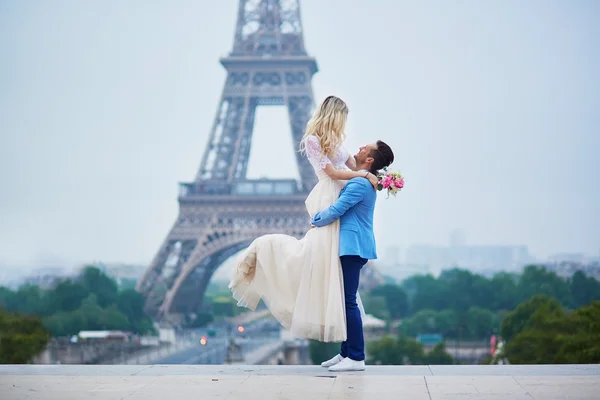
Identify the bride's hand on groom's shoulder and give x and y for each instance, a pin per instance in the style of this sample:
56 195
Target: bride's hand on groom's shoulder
373 179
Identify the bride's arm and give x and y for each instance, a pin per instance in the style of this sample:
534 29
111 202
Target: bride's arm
320 160
343 175
346 175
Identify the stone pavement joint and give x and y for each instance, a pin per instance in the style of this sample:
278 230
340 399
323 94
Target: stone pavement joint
427 387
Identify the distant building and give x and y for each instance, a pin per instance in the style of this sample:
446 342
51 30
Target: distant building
10 277
120 272
477 258
391 255
566 269
567 257
47 278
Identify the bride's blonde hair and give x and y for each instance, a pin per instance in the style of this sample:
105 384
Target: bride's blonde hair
328 124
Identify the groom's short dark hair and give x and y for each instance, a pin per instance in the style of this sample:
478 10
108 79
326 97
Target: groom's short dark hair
383 156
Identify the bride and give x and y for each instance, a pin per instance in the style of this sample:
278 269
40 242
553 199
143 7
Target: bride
300 281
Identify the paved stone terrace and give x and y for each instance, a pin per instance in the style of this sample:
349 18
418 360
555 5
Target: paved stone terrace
203 382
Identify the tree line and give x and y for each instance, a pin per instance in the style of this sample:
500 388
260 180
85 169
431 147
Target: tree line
542 331
538 331
90 301
543 318
460 304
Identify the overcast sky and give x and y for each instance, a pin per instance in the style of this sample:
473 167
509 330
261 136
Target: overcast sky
492 109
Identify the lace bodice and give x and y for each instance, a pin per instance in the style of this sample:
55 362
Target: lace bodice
319 160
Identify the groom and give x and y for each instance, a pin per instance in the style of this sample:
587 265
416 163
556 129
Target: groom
355 208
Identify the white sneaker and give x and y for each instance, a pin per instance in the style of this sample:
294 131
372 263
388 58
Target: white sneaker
338 358
347 364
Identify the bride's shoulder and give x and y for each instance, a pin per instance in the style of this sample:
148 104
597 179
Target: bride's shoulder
312 138
312 142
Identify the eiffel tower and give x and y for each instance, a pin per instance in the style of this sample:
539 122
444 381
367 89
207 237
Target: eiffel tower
222 211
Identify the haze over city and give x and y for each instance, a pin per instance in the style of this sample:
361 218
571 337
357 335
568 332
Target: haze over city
492 113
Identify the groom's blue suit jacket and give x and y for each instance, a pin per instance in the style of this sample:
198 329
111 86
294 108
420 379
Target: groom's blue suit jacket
355 208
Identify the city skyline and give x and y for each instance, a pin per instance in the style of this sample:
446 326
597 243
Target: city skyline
395 261
383 256
491 113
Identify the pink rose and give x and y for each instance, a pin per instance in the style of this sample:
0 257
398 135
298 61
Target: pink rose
399 183
386 182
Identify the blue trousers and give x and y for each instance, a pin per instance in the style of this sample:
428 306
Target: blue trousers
354 346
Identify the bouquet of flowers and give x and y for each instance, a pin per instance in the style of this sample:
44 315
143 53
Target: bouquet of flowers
392 181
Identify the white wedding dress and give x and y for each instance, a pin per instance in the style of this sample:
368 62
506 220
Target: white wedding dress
300 281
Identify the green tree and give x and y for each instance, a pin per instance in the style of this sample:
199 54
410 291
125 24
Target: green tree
549 335
412 352
520 318
426 292
439 356
423 321
91 301
21 338
66 296
7 298
30 300
402 350
131 304
321 351
384 352
56 324
396 299
504 291
376 306
583 346
91 311
537 342
105 288
481 323
539 281
112 319
584 289
465 289
447 323
64 323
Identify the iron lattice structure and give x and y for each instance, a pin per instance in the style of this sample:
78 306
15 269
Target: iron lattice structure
221 212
